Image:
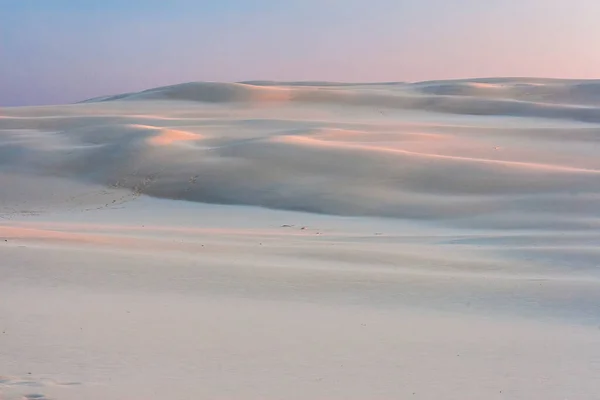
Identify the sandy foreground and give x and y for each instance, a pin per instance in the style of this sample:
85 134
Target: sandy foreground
438 240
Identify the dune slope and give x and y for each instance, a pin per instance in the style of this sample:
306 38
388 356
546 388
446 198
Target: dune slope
382 150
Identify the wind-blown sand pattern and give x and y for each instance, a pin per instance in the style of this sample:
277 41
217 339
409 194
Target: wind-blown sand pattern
268 240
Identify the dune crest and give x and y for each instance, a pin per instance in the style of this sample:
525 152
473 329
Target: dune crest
556 99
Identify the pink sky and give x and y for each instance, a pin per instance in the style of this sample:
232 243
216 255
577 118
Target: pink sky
65 51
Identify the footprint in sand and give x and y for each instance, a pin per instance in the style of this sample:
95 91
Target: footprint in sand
26 384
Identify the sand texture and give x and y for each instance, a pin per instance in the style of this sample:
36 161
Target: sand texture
306 240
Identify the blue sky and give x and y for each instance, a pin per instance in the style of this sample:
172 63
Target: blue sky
55 51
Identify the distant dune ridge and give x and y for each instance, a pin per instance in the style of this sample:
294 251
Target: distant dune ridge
430 150
476 97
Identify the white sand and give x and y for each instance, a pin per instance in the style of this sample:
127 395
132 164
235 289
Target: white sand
438 240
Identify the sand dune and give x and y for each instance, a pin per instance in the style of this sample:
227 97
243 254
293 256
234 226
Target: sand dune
329 149
304 240
541 99
581 93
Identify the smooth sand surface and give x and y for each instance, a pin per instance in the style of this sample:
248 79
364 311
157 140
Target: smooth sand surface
265 240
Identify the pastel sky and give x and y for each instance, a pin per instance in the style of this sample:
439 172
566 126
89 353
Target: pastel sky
56 51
